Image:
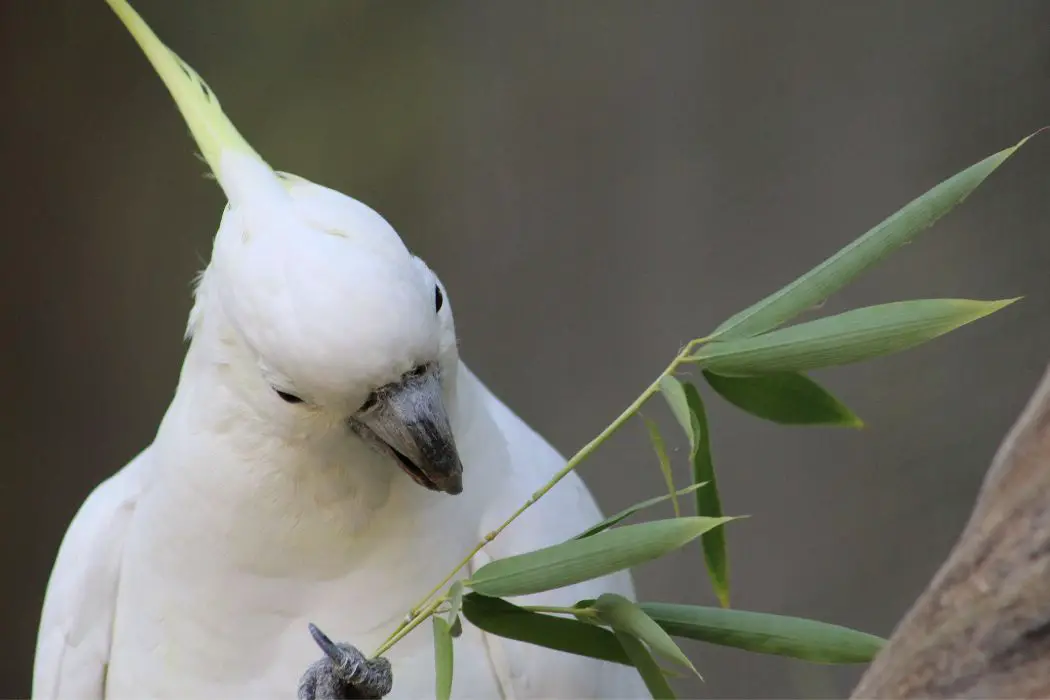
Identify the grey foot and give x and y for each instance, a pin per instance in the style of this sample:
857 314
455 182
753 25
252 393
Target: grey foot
344 673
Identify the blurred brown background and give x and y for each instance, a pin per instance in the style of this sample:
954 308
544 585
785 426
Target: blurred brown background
596 182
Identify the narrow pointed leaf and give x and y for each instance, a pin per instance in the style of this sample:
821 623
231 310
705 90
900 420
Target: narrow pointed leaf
585 559
504 619
847 337
665 463
647 667
764 633
673 393
788 398
837 271
625 616
631 510
442 658
708 501
455 600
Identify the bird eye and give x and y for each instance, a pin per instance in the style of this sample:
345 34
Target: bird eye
418 371
369 403
439 298
288 398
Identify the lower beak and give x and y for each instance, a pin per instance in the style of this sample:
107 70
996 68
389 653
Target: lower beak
411 422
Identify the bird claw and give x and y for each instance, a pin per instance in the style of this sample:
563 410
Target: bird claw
344 673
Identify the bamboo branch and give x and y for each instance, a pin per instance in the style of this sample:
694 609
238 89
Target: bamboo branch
981 629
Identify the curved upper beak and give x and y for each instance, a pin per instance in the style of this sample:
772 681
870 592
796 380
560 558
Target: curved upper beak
411 421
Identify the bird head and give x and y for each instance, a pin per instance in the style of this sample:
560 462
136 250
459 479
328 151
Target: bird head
333 318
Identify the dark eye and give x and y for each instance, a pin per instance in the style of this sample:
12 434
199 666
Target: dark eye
439 298
288 398
369 403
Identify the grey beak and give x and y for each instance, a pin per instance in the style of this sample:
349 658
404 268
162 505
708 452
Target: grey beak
410 420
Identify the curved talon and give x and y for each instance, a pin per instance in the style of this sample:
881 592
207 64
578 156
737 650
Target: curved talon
339 656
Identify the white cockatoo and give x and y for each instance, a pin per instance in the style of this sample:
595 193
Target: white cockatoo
327 458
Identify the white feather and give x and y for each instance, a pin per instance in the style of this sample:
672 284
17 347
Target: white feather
76 626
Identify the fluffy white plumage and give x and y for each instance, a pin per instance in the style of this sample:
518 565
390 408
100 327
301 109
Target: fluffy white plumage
193 571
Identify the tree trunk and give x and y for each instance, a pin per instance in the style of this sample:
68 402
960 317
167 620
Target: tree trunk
981 629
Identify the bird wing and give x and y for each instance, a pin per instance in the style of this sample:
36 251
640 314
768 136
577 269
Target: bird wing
526 670
73 642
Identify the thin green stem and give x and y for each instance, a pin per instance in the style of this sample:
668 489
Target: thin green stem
407 627
422 610
587 612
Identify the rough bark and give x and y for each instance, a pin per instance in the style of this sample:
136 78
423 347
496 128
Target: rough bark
981 629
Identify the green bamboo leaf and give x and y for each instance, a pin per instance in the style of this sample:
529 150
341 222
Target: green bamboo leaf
665 463
708 501
764 633
625 616
647 667
788 398
631 510
503 619
455 602
847 337
442 658
674 394
837 271
588 558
